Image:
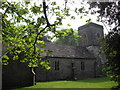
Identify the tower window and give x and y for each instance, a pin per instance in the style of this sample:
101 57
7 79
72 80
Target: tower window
84 41
98 35
82 66
56 65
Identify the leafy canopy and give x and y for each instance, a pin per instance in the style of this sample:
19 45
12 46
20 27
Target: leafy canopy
68 40
109 12
24 23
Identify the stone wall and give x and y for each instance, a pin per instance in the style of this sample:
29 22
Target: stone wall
100 59
91 34
73 63
66 71
63 73
67 51
88 72
16 74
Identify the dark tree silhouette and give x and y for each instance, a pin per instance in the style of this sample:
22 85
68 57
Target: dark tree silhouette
110 14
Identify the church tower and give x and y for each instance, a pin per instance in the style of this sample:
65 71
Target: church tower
91 33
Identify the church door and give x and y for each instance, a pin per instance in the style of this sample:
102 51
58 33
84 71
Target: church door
72 71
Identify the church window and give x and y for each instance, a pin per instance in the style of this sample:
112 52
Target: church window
85 39
98 35
56 65
82 65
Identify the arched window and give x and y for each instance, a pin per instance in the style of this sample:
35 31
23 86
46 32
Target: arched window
85 39
56 65
98 35
82 66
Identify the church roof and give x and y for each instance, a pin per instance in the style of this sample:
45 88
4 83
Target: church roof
68 51
91 24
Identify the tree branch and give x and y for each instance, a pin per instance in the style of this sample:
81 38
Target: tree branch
44 10
17 12
47 21
48 24
6 11
37 38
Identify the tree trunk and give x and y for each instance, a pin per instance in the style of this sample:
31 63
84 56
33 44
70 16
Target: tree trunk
34 75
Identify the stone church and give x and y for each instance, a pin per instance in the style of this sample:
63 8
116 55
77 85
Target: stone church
66 62
75 62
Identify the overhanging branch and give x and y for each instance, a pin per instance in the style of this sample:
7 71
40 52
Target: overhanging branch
48 25
17 12
44 10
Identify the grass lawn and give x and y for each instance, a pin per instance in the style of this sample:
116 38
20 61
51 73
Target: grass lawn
103 82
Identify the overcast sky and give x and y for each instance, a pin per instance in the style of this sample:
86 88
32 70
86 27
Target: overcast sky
74 23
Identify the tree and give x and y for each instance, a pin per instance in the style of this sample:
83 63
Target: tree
68 40
22 26
109 12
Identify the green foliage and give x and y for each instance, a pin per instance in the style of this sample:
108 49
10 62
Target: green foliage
48 52
45 64
109 13
23 26
5 60
15 57
72 17
112 50
88 21
72 39
6 57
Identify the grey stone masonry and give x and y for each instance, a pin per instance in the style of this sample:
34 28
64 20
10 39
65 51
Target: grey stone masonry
67 51
91 33
66 62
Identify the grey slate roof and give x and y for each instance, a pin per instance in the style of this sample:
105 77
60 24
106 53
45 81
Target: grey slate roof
68 51
91 24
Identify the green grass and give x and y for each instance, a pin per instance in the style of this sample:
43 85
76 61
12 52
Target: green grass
103 82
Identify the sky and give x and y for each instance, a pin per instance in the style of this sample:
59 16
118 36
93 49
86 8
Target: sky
74 23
